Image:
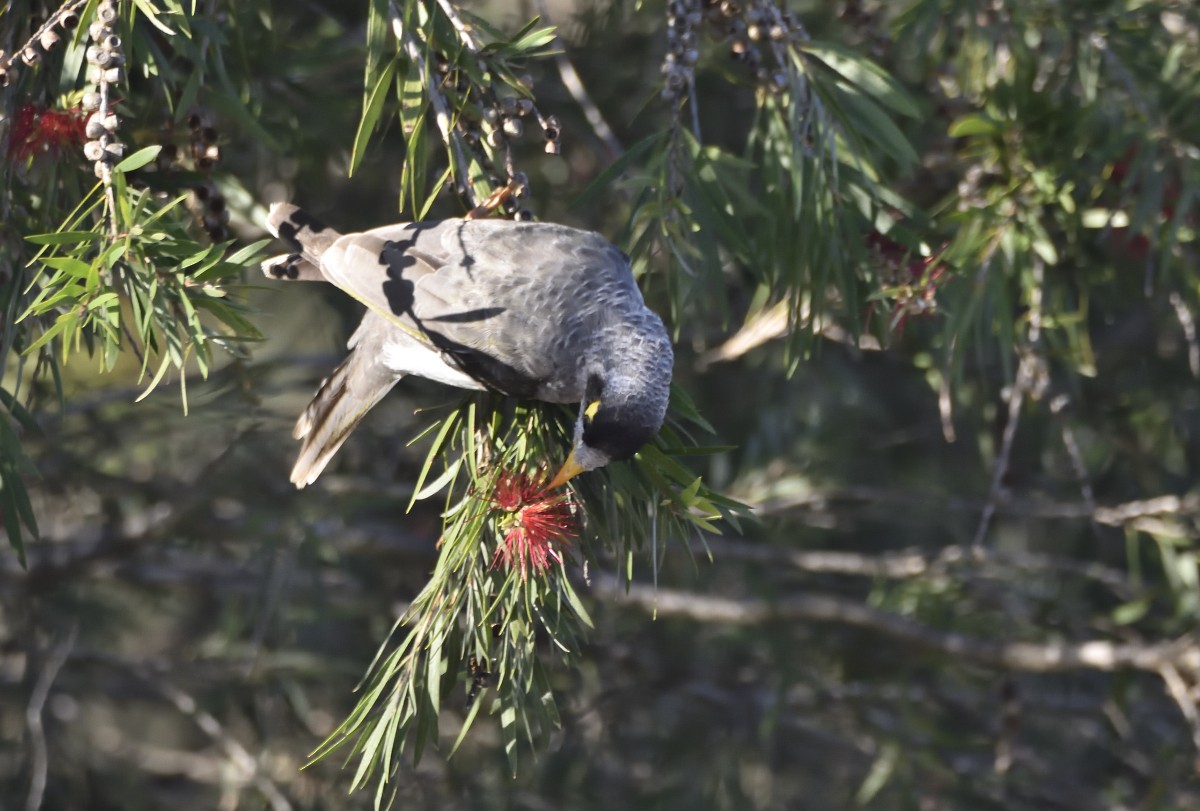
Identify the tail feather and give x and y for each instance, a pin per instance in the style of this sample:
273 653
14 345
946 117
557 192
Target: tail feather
339 405
304 233
292 267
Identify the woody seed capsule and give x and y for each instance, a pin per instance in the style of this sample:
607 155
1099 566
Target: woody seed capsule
93 150
106 13
97 31
69 21
49 39
94 127
513 127
30 56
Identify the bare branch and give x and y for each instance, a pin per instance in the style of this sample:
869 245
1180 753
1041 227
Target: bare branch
1117 515
1177 687
1029 657
248 769
915 562
39 760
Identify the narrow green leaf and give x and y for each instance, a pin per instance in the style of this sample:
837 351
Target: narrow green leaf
370 116
573 600
65 237
614 170
147 8
466 725
139 159
974 124
865 74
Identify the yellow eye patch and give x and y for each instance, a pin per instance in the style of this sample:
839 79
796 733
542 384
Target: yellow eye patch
592 408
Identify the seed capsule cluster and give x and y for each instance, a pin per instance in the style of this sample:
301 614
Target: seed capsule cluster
209 203
758 35
105 68
210 206
201 154
683 47
500 119
46 39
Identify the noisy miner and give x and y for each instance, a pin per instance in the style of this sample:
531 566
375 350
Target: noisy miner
529 309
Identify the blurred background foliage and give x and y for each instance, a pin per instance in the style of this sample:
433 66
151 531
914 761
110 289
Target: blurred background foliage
941 303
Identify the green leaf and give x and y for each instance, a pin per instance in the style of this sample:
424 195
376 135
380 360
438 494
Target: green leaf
466 725
243 255
573 600
65 237
870 123
147 8
865 74
974 124
370 116
614 170
139 159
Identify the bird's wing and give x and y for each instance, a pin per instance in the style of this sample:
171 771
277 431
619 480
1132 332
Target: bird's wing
509 302
520 304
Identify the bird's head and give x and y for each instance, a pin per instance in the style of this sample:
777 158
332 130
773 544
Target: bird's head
616 418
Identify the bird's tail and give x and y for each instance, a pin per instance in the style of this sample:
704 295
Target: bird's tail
303 232
308 238
344 398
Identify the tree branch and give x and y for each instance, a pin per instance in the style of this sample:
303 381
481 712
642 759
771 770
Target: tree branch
39 762
1029 657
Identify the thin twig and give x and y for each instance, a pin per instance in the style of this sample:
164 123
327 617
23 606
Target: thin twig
1178 688
1058 407
441 108
574 85
38 756
246 765
1022 385
233 749
1188 322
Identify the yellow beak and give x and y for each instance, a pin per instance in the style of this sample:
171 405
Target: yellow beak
568 471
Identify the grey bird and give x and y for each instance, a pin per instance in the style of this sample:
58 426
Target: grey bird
528 309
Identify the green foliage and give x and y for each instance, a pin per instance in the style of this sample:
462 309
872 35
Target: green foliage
117 266
974 222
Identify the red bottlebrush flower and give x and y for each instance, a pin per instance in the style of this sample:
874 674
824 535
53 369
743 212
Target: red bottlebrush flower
535 520
38 132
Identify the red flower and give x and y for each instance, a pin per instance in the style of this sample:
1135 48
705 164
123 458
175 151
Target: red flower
36 132
535 520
